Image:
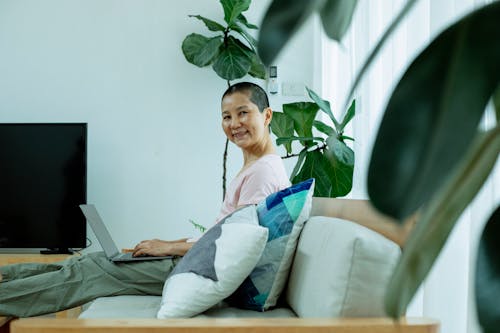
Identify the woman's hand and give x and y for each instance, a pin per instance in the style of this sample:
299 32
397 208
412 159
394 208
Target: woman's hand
159 248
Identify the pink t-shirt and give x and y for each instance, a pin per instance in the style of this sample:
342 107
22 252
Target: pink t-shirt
265 176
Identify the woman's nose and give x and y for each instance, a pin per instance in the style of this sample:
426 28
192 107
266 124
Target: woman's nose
235 122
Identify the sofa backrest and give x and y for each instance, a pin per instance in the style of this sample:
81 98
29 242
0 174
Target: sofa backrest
340 269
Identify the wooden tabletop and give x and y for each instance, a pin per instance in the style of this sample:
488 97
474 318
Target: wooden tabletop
236 325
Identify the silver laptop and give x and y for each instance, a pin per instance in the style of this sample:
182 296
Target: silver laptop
104 238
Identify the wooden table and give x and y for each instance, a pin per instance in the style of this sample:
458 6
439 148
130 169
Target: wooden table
228 325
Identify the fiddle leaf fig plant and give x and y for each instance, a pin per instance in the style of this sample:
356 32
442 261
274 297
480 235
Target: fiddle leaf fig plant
328 159
232 51
441 158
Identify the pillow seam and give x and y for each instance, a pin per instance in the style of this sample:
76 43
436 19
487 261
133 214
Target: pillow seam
348 286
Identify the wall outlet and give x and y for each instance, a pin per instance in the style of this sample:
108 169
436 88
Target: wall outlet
293 89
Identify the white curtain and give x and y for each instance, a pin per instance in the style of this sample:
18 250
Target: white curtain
447 294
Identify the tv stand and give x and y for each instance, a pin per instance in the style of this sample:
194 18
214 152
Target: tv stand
57 250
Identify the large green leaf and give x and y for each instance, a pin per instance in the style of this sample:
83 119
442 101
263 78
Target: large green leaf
257 69
341 159
282 19
348 116
303 114
438 219
200 50
233 8
298 165
282 126
433 113
333 174
233 62
336 16
249 38
323 105
241 18
210 24
496 103
324 128
487 282
316 166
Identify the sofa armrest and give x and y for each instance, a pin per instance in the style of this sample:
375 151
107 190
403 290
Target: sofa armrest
363 213
236 325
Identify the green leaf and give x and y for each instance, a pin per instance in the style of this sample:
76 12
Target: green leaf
336 16
299 163
438 219
303 114
496 103
257 69
282 19
433 113
316 166
200 227
341 159
487 282
349 115
211 25
282 126
241 18
284 140
233 8
233 62
249 38
200 50
408 5
323 105
332 168
345 137
324 128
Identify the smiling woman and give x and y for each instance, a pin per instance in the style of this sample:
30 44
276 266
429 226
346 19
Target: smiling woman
246 118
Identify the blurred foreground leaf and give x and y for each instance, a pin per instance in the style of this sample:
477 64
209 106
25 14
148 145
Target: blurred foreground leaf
433 113
438 219
487 283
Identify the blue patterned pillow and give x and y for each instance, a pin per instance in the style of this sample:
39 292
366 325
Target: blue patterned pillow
284 214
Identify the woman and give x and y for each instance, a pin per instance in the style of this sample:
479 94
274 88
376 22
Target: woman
34 289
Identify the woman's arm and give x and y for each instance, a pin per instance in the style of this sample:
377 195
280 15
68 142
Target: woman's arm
158 248
363 213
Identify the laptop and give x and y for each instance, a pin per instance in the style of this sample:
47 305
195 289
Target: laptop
104 238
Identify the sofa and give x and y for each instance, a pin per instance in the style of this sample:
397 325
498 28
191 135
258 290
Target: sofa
340 269
337 282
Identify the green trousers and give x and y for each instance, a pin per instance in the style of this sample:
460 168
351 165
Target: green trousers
34 289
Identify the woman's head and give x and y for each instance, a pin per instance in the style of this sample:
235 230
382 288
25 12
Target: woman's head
246 116
254 92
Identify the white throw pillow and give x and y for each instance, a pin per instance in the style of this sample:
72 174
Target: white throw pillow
215 266
340 269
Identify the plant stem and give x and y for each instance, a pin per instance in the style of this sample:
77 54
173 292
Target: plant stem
319 146
224 162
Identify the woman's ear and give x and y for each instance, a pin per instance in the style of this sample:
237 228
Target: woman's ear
268 114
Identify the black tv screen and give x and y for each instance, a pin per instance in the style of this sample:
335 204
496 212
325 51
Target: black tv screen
43 179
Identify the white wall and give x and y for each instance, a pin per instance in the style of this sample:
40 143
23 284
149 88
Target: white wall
155 144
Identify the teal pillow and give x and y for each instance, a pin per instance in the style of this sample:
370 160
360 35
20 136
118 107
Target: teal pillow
284 214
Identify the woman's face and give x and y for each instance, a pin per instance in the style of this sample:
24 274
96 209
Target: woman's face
242 122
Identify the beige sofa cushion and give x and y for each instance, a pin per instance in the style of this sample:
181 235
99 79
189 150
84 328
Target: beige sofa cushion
147 307
340 269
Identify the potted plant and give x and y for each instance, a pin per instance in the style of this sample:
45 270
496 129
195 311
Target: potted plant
230 49
441 163
329 160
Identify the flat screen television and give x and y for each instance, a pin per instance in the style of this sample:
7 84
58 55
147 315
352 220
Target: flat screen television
43 179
